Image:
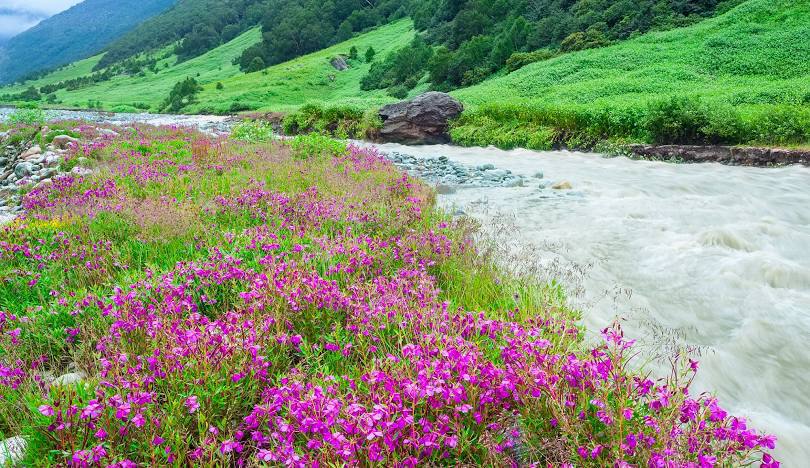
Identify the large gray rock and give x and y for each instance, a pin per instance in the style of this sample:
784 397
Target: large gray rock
23 169
423 120
12 451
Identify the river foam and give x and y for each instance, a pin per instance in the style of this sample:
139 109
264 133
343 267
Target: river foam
714 256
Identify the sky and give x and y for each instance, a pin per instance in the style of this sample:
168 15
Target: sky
18 15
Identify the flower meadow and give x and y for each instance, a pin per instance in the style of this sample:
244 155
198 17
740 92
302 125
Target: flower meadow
304 303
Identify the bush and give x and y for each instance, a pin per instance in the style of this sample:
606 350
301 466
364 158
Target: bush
27 114
337 121
183 94
677 120
252 131
521 59
370 53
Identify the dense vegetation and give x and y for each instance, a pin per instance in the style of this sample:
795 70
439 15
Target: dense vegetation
476 38
229 303
74 34
197 26
739 78
292 28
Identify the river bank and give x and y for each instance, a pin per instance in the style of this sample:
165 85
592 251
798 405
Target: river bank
700 256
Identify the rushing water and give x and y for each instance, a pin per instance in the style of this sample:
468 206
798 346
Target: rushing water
711 256
715 256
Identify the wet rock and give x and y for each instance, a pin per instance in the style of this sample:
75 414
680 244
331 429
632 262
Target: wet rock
12 451
486 167
423 120
562 185
538 175
23 169
64 141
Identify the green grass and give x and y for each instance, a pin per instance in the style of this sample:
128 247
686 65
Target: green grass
758 53
281 87
310 78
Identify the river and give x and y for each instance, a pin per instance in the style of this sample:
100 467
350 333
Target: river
708 256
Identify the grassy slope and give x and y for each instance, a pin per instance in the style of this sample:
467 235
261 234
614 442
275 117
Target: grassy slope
308 78
279 87
758 53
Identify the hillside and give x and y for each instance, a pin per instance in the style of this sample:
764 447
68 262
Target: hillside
279 87
74 34
758 53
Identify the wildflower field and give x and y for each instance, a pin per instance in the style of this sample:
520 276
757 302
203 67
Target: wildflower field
305 304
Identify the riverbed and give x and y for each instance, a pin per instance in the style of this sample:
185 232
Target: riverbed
715 258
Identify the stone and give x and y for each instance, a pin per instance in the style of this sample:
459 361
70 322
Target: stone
12 451
52 159
487 167
69 379
422 120
339 63
23 169
32 151
106 132
538 175
562 185
64 141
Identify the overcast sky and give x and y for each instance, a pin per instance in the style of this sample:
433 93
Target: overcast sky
18 15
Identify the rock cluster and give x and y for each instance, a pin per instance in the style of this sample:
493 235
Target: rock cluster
25 165
446 174
421 121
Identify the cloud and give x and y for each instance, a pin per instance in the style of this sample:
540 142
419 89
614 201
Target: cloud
40 7
18 15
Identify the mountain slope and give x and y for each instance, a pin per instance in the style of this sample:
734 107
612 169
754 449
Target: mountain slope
757 53
74 34
284 86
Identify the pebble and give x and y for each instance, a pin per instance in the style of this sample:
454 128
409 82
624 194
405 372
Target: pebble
562 185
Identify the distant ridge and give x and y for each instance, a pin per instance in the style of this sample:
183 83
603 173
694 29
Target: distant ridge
76 33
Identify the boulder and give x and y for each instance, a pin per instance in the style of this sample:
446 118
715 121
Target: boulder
23 169
12 451
420 121
339 63
563 185
32 151
106 132
69 379
64 141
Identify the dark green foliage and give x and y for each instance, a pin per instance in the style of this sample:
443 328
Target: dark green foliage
478 37
292 28
195 23
74 34
403 68
521 59
257 64
183 94
220 86
353 53
370 53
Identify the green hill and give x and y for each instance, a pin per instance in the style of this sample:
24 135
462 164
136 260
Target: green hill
742 77
281 87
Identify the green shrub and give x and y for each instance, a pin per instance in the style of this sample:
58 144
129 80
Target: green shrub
336 121
316 145
252 131
521 59
27 114
677 120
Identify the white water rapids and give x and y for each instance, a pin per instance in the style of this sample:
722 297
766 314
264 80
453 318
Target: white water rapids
717 255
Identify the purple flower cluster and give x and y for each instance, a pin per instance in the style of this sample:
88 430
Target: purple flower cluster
312 328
